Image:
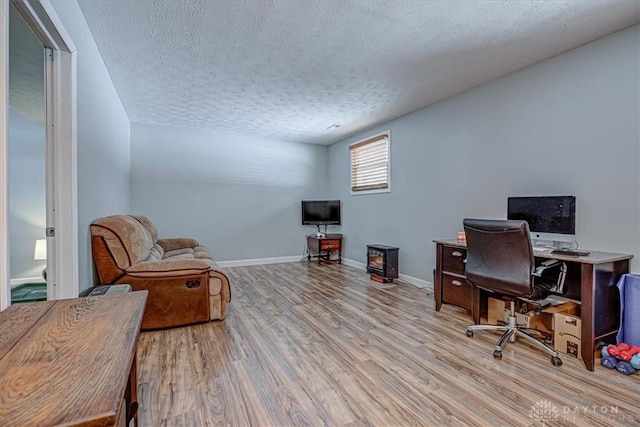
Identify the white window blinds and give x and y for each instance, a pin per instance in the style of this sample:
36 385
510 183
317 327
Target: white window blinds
370 164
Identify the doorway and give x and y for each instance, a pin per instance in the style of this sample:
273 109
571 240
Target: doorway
26 163
60 152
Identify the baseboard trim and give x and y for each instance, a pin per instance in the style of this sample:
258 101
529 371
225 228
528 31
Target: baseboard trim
418 283
259 261
354 264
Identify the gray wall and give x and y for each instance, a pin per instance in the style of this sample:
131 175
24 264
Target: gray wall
104 157
239 195
27 216
569 125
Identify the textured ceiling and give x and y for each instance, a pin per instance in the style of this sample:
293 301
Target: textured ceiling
290 69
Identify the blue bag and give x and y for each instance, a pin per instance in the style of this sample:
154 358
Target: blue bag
629 332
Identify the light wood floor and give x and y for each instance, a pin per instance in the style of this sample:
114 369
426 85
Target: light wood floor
309 345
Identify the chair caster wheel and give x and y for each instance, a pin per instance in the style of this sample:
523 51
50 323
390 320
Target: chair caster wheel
556 361
497 354
469 333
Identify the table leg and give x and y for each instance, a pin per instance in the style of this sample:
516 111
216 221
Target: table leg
437 278
131 394
475 305
587 285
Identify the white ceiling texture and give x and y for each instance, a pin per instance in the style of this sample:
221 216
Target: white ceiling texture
290 69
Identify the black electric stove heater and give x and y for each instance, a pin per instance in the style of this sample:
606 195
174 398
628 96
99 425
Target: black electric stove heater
382 263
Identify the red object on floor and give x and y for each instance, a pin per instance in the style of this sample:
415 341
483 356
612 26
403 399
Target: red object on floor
380 279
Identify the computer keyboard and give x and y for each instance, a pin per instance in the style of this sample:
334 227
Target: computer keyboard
569 253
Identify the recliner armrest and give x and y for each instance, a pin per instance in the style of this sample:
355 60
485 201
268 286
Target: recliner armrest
177 243
180 267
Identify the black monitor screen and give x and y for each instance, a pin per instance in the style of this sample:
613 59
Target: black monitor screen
319 212
552 214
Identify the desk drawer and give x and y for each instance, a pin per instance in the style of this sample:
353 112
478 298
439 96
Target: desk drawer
457 291
453 259
329 245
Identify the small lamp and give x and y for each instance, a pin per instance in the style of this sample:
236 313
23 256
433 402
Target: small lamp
40 254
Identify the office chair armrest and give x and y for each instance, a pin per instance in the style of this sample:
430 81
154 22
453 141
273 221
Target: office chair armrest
553 263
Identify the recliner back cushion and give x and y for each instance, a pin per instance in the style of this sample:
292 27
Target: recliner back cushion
128 240
146 222
156 253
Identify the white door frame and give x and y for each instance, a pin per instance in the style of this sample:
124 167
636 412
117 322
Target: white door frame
60 87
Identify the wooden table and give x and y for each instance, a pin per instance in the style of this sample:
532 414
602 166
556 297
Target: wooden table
69 362
322 246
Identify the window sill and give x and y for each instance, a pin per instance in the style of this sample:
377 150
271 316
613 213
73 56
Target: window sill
377 191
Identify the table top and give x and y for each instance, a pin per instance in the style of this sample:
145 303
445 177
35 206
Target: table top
67 362
326 236
385 247
594 257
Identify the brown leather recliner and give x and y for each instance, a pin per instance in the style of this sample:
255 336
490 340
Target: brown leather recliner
185 284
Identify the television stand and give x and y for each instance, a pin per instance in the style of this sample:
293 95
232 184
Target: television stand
322 247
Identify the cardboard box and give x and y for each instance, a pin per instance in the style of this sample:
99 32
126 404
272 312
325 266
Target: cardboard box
495 312
498 311
567 331
568 307
542 322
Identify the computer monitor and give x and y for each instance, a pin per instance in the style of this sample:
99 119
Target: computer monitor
550 218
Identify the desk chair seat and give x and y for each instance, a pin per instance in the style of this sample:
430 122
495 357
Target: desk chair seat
500 260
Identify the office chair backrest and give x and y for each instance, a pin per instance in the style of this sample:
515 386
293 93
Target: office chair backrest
499 256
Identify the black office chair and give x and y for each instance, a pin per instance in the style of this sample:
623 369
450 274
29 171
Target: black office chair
500 260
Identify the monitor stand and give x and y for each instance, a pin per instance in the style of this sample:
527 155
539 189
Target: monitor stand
542 245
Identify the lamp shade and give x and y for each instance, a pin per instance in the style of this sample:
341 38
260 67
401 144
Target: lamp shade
40 253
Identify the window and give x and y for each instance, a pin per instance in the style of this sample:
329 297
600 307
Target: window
370 164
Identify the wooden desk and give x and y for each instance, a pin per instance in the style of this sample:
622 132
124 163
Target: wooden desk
590 279
69 362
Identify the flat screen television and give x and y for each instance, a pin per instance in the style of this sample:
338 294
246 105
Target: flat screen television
321 212
549 217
